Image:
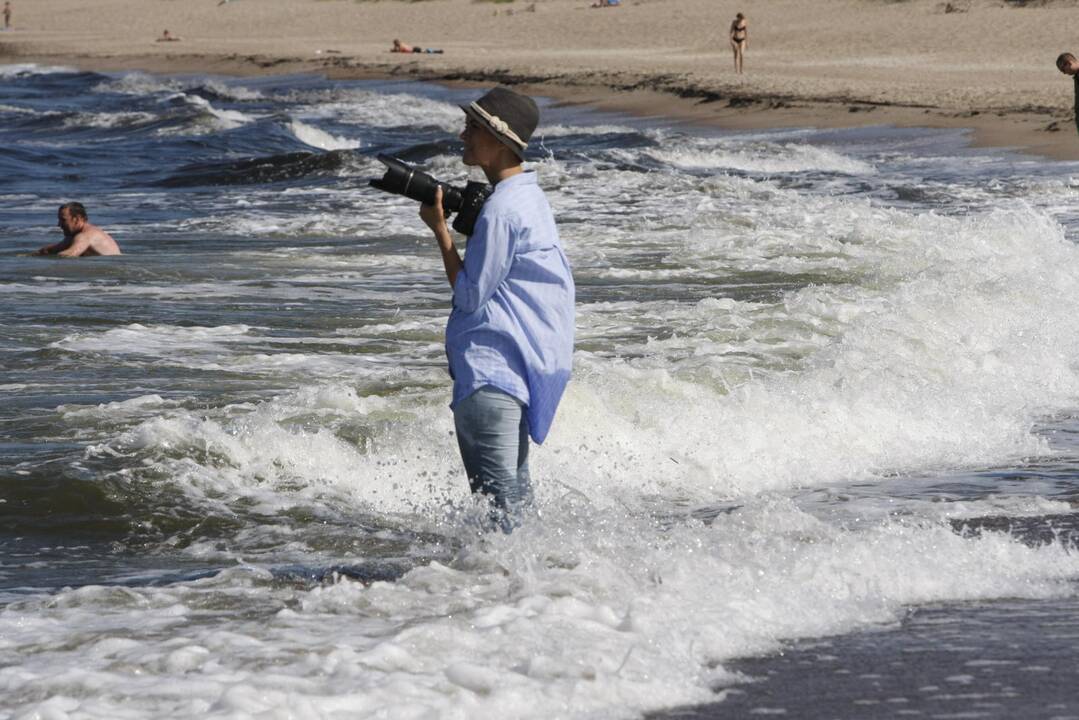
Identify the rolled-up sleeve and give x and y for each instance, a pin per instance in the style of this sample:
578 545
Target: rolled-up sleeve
488 257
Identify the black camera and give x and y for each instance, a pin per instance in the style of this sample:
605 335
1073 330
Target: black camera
403 179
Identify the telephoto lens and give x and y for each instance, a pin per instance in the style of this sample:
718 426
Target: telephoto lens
403 179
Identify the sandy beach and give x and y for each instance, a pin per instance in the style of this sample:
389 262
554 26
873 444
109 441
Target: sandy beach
833 63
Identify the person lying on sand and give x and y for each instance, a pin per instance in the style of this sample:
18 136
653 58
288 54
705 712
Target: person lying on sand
1067 64
81 239
401 47
166 36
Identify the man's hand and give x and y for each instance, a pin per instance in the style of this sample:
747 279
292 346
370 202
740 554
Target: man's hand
433 215
49 249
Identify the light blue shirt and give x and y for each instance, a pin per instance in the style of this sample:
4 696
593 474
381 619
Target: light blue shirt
512 321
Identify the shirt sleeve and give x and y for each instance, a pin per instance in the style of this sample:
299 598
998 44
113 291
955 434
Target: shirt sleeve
488 257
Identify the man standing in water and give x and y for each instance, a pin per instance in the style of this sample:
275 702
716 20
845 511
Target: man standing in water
81 238
1067 64
509 338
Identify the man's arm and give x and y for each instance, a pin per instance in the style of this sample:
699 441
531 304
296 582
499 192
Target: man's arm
451 259
436 220
486 264
79 244
53 249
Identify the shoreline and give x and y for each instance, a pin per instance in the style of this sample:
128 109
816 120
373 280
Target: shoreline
1023 129
827 64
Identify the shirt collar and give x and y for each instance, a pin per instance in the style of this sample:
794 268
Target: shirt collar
528 177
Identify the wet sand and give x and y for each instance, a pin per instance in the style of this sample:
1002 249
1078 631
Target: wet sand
996 661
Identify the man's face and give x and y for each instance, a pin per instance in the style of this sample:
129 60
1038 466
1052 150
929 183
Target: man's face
1068 65
70 225
481 147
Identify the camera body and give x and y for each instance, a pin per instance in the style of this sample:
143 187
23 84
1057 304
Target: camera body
403 179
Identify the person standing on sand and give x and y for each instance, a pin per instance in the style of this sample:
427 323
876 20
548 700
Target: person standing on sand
509 338
7 15
81 239
739 40
1067 64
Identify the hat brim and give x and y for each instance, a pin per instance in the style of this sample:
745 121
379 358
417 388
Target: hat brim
517 149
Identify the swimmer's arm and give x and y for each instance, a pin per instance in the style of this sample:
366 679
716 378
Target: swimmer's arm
51 249
78 246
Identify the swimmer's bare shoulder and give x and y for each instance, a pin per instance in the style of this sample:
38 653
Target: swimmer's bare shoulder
92 240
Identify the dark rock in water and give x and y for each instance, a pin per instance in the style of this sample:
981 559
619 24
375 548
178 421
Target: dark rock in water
254 171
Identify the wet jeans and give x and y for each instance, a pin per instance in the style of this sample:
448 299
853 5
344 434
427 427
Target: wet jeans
492 432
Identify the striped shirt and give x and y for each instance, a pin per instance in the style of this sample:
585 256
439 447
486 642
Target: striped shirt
512 321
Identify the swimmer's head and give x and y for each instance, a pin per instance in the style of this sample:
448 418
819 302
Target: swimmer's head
1067 64
71 217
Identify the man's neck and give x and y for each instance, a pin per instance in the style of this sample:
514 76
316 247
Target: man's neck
499 173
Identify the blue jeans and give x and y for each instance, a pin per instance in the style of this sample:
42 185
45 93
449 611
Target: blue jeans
492 432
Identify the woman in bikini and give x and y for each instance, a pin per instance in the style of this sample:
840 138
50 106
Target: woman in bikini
739 40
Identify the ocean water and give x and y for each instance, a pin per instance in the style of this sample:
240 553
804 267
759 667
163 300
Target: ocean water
820 456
